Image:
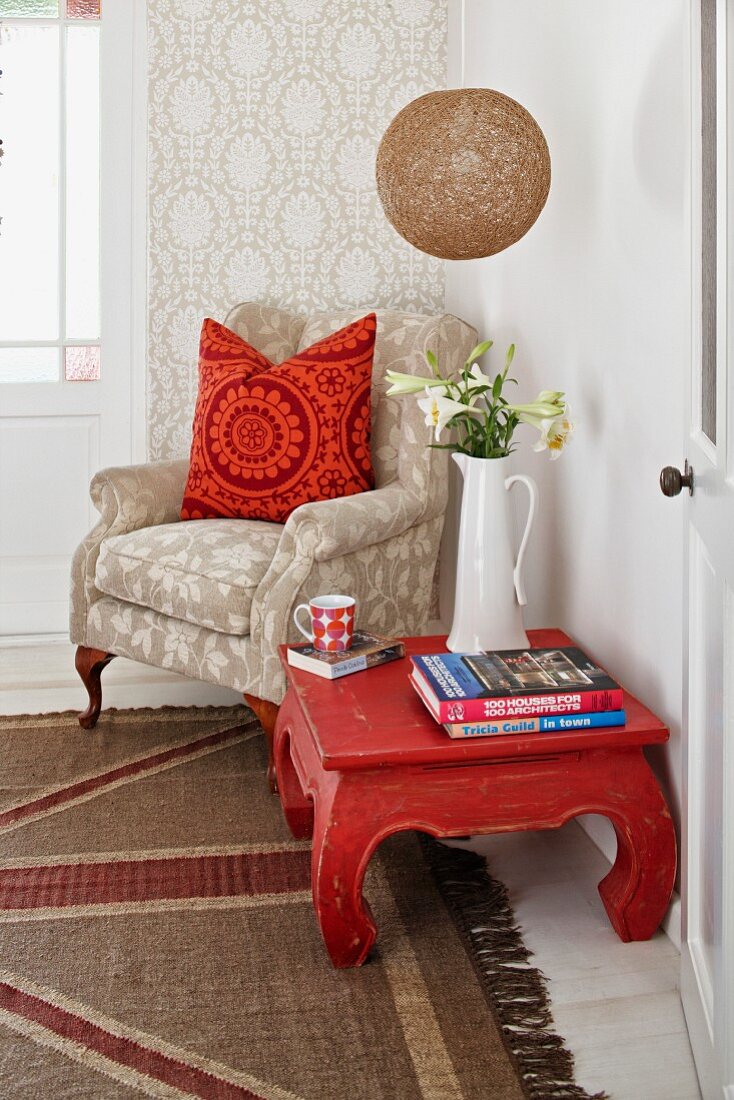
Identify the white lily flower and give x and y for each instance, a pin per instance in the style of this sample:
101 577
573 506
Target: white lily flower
410 383
555 434
477 378
440 409
450 401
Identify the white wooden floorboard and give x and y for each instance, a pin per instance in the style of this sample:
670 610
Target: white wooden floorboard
617 1005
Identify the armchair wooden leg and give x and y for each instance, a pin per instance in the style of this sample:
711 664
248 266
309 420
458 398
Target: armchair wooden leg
89 664
267 713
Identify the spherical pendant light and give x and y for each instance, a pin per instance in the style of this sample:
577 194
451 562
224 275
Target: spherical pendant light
463 173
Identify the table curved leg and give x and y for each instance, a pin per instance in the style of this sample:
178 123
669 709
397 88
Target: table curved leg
637 891
345 836
297 808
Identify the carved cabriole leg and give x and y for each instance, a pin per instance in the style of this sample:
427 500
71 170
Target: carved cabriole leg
89 664
344 837
637 890
267 714
297 807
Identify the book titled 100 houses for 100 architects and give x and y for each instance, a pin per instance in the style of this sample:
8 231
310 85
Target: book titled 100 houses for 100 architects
518 683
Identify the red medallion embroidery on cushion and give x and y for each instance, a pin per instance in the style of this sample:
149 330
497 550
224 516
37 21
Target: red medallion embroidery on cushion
268 438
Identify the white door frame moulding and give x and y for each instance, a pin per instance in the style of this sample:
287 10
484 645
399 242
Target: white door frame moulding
697 1023
124 199
123 64
709 1011
139 231
728 769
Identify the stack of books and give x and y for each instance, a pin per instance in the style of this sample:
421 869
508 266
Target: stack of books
517 691
367 651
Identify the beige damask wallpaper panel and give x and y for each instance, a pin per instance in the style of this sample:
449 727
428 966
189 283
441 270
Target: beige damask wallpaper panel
264 122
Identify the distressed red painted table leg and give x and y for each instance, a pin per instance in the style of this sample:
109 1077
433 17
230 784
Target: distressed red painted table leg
351 809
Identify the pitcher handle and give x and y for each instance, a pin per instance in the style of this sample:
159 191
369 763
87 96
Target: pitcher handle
532 489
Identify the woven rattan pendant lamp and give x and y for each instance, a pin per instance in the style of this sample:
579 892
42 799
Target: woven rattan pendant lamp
463 173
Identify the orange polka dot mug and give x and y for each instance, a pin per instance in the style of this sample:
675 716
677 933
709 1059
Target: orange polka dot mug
332 622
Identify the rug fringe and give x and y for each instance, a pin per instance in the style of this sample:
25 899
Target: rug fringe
516 991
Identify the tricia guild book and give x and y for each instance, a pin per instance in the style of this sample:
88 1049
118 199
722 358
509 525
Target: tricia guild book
367 651
513 683
551 723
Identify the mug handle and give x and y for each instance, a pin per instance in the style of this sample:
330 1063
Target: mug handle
532 489
303 607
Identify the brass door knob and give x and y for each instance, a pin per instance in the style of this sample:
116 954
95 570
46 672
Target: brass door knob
672 480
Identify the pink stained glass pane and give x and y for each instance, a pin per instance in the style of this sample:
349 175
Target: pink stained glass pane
82 364
83 9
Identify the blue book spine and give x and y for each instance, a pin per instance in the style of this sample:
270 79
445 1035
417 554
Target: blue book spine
583 721
541 724
449 676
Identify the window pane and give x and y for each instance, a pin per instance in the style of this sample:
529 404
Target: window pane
44 9
29 184
82 183
82 9
81 364
29 364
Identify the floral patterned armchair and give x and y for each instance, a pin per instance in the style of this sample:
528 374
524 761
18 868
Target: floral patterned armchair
213 599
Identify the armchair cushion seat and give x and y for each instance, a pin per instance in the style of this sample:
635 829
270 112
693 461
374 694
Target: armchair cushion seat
203 571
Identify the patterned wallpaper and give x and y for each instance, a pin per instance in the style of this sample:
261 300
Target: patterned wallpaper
264 122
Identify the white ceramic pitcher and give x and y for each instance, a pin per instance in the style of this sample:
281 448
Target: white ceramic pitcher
489 585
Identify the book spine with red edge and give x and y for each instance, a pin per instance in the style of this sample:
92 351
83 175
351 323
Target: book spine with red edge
520 706
531 706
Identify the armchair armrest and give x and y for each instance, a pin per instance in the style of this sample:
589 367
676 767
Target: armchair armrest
314 537
327 529
127 499
131 497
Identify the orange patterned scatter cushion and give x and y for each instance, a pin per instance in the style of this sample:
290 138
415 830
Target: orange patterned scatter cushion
267 438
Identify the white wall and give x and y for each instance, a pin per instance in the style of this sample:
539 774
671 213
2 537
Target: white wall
597 298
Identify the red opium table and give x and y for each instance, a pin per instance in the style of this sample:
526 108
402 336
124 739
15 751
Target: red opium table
360 758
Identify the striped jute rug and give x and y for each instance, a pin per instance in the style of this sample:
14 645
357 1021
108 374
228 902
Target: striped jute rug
157 936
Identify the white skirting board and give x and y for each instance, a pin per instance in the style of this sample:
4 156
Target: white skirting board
37 676
600 830
40 679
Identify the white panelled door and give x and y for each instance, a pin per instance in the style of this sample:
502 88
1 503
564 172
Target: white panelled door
66 291
708 843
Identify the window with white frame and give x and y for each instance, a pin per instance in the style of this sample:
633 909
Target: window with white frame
49 191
